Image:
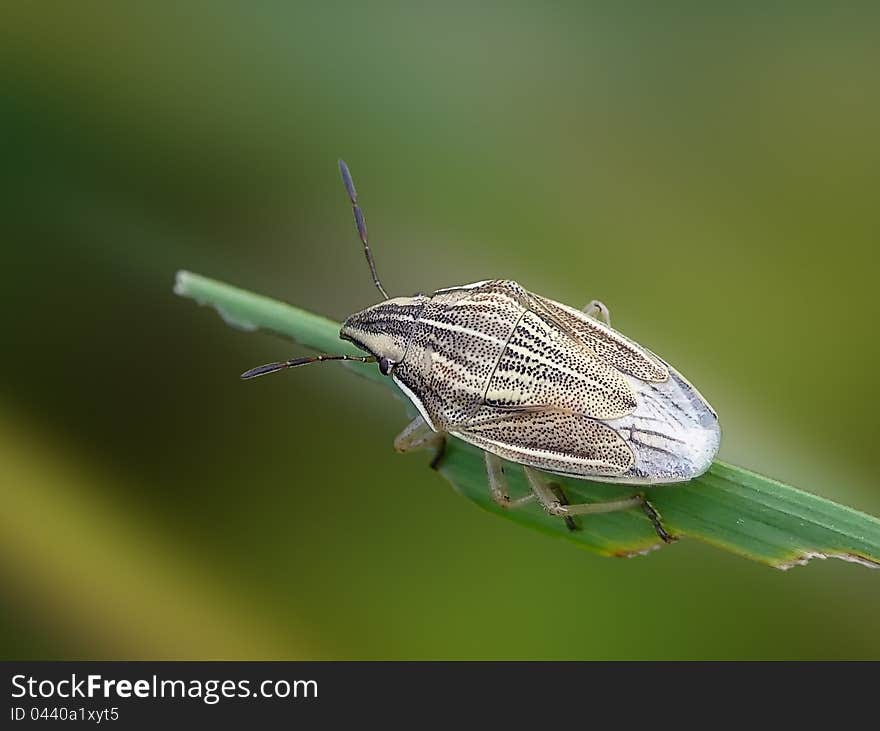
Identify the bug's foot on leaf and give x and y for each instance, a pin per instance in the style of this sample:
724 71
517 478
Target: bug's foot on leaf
654 517
556 509
559 509
562 500
439 454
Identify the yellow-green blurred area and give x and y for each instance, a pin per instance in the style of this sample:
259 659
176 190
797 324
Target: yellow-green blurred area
709 171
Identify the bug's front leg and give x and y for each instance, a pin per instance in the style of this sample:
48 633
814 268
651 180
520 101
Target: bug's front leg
418 435
600 309
554 506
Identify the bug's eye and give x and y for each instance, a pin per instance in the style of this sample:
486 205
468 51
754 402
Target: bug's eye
386 365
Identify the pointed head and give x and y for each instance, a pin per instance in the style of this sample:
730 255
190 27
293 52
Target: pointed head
384 330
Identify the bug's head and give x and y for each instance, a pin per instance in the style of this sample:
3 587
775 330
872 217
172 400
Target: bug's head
383 330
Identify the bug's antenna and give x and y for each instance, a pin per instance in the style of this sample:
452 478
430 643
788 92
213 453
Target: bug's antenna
361 224
296 362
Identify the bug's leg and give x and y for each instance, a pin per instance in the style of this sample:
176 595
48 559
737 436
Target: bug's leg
563 500
498 485
598 309
553 506
439 453
418 435
654 517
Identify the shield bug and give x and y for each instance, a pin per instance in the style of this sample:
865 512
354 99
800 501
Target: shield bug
534 382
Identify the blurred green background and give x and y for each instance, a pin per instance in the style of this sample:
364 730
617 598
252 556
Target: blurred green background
710 172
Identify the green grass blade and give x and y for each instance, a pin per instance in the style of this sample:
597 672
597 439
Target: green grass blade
728 507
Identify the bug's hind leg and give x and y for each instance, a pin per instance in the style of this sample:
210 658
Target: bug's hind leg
554 506
418 435
498 485
654 517
598 309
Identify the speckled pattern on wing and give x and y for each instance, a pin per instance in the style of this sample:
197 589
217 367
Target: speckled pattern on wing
543 366
612 347
549 439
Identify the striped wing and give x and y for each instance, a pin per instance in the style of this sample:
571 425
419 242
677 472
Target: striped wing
567 369
673 432
607 344
543 366
549 439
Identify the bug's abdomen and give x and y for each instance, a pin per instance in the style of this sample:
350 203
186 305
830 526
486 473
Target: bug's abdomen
541 366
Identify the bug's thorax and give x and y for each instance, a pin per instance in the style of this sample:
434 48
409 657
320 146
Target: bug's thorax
453 350
385 329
